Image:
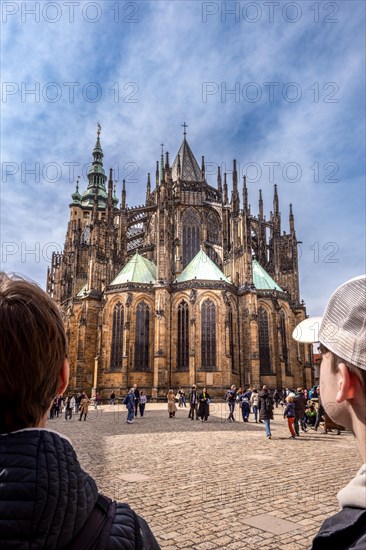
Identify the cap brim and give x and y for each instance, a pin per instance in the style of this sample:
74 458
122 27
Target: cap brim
307 331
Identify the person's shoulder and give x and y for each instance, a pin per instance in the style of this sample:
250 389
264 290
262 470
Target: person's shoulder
343 531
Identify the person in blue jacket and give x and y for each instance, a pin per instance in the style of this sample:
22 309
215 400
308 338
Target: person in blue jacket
129 401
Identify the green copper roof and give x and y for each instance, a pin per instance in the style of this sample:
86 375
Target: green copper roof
261 279
137 270
202 268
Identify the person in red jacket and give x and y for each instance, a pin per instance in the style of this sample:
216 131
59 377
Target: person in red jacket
46 499
341 333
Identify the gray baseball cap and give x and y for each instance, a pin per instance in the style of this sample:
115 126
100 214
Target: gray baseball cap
342 329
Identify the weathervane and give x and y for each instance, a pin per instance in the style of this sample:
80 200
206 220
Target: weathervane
184 125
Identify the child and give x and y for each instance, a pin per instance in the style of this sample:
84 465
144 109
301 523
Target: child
289 413
142 403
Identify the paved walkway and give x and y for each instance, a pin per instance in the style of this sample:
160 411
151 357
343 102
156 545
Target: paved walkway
215 484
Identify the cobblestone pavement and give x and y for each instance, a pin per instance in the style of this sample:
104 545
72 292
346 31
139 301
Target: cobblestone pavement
215 484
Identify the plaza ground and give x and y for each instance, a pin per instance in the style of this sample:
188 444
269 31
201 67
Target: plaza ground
215 484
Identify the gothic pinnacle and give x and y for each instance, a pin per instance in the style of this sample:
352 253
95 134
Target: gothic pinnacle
219 182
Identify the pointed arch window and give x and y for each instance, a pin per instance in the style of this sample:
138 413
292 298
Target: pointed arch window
117 337
142 337
231 339
284 341
191 235
183 337
264 347
208 344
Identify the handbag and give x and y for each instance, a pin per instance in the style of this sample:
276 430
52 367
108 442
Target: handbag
208 401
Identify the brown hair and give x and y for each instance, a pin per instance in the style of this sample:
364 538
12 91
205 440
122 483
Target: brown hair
33 347
336 360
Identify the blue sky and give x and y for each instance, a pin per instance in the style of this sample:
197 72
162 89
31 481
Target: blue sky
296 116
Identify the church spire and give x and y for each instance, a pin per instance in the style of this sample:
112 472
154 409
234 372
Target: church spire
260 205
162 162
203 168
245 194
123 198
275 201
235 202
226 200
292 221
219 182
157 175
148 187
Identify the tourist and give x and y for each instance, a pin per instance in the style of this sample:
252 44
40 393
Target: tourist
129 401
254 404
112 399
342 337
204 405
69 406
172 408
300 406
142 403
84 406
193 403
276 397
320 412
265 407
289 413
231 400
46 499
136 393
77 401
310 413
245 407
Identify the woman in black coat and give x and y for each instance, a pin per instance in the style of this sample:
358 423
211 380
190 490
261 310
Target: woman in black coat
204 405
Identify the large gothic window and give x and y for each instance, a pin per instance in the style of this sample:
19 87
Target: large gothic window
284 341
231 340
117 337
183 337
264 348
212 228
191 235
142 337
208 352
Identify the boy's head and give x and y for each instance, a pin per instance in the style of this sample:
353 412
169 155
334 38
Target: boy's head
342 336
33 354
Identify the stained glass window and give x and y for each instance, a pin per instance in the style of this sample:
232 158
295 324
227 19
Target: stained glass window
191 235
264 348
183 337
142 337
117 337
208 335
284 341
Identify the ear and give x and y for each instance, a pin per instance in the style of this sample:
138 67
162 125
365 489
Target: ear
63 378
347 384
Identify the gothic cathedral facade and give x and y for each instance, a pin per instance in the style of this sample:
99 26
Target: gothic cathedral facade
188 288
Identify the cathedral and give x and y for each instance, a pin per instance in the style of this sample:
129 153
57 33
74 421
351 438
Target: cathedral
190 287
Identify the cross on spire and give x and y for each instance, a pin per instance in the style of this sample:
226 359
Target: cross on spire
98 129
184 125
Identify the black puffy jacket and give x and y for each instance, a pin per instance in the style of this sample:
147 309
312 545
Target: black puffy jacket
343 531
48 501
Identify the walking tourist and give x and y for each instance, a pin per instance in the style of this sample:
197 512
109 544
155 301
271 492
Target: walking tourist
254 403
84 406
231 400
320 412
265 407
112 399
245 407
300 406
136 393
193 403
46 499
204 405
142 404
129 401
276 397
69 406
289 413
172 408
342 338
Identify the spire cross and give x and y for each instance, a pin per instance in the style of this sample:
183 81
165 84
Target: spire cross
98 129
184 125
